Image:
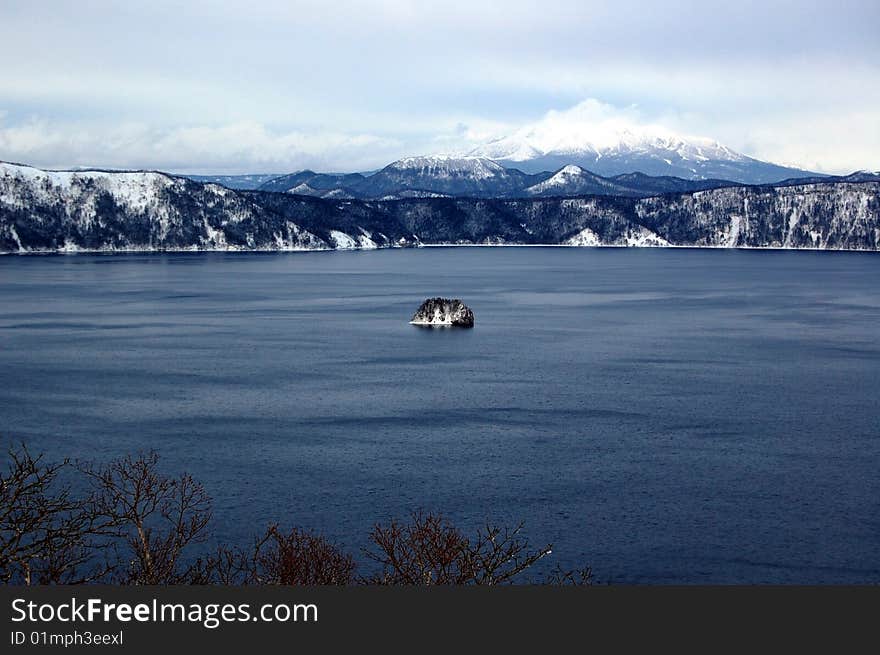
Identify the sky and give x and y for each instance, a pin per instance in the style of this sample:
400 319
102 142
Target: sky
272 87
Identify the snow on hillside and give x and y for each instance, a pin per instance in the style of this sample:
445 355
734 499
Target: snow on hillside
563 178
600 140
134 189
88 211
445 166
571 180
609 143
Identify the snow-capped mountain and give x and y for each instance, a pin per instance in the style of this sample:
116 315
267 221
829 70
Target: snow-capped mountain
573 180
455 176
618 149
431 177
447 166
310 183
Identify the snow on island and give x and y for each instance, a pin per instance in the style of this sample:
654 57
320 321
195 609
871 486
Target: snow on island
443 312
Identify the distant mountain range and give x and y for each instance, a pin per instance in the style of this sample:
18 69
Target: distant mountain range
479 177
543 159
609 150
103 211
241 182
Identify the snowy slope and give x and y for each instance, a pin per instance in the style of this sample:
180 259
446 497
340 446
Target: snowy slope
141 210
616 149
573 180
448 167
443 174
64 211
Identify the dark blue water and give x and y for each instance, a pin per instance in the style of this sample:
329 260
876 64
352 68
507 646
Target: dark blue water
662 415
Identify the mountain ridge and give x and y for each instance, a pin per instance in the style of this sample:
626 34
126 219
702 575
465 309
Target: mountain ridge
610 148
474 177
64 211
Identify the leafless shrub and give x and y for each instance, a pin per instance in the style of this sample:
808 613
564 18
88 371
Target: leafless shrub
577 577
135 525
299 558
498 555
156 517
429 550
278 558
225 566
46 535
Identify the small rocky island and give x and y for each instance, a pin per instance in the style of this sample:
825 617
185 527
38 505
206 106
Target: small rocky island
443 312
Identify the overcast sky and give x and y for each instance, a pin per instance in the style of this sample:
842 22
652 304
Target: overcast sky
266 86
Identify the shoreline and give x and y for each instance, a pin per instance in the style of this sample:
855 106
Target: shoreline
195 251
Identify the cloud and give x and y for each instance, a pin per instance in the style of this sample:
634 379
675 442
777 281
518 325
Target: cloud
837 143
310 74
810 140
232 148
590 121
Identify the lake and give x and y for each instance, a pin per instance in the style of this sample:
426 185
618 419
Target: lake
665 416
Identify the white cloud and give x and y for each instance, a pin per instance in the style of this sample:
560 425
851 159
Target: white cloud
838 143
589 121
809 140
231 148
309 74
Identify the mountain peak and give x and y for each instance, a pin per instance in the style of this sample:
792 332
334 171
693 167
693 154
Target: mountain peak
574 180
602 139
476 168
612 148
